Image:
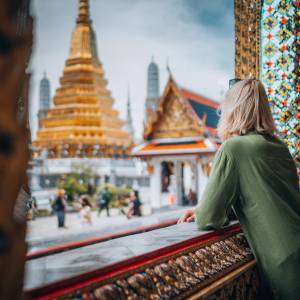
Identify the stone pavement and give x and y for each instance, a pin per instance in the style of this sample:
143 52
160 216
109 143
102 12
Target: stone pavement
43 232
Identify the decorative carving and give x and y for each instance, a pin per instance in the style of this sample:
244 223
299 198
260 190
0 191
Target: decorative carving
176 121
150 167
267 47
187 274
243 287
247 38
16 34
280 68
174 117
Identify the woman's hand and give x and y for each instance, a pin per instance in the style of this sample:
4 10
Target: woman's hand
188 216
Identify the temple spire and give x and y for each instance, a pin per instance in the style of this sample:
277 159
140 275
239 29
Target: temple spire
84 12
83 42
169 69
83 116
152 87
45 98
129 121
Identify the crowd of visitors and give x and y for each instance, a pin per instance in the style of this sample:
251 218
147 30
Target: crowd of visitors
129 205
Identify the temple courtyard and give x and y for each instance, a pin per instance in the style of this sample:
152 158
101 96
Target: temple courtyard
44 233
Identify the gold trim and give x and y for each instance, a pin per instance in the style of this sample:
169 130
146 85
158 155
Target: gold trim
247 14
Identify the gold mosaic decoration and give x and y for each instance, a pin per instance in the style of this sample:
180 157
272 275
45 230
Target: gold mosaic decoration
247 38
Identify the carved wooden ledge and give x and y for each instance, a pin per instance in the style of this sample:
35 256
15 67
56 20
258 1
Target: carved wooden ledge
212 265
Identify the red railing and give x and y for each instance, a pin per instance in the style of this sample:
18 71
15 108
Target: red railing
77 282
103 238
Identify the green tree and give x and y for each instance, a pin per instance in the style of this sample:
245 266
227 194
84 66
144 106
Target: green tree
80 181
115 193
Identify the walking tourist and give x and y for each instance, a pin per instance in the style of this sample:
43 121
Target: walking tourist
104 200
254 173
59 206
85 211
135 205
32 208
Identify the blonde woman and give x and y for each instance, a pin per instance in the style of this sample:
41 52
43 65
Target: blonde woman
254 173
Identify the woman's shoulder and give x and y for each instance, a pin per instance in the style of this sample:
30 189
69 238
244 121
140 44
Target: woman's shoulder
234 143
252 145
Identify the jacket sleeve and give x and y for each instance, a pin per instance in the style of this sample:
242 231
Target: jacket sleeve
220 193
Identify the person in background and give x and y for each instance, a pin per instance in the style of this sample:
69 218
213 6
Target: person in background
254 173
192 197
104 200
31 208
59 207
135 205
85 211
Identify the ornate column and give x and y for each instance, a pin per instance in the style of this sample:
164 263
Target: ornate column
178 177
196 175
267 43
247 38
280 68
155 184
202 180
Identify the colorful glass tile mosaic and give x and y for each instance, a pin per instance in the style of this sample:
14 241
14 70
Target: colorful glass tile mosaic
280 67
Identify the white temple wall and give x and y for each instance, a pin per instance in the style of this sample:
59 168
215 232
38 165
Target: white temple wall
187 178
194 178
202 180
155 184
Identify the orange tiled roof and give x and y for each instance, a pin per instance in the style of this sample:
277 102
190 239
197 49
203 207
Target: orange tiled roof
174 147
200 99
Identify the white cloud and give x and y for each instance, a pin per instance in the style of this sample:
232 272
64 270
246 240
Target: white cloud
129 32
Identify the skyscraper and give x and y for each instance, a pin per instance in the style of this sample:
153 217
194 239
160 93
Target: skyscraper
152 87
45 98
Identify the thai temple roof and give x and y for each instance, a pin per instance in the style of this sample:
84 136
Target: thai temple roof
184 123
175 146
201 106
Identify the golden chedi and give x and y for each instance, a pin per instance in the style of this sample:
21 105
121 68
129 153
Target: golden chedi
83 121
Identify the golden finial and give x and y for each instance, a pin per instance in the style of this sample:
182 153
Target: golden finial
84 15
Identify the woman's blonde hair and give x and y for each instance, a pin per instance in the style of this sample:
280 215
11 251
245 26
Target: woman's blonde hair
245 109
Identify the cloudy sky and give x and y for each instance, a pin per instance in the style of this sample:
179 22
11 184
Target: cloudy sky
196 37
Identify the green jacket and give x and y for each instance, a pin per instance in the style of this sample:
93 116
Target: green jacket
256 175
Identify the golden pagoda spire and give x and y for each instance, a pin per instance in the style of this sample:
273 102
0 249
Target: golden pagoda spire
84 14
83 116
83 42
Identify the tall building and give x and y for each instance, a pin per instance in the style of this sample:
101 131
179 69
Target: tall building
152 88
45 98
83 122
129 121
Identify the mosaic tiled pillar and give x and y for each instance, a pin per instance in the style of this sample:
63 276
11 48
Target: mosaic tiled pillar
280 67
247 14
